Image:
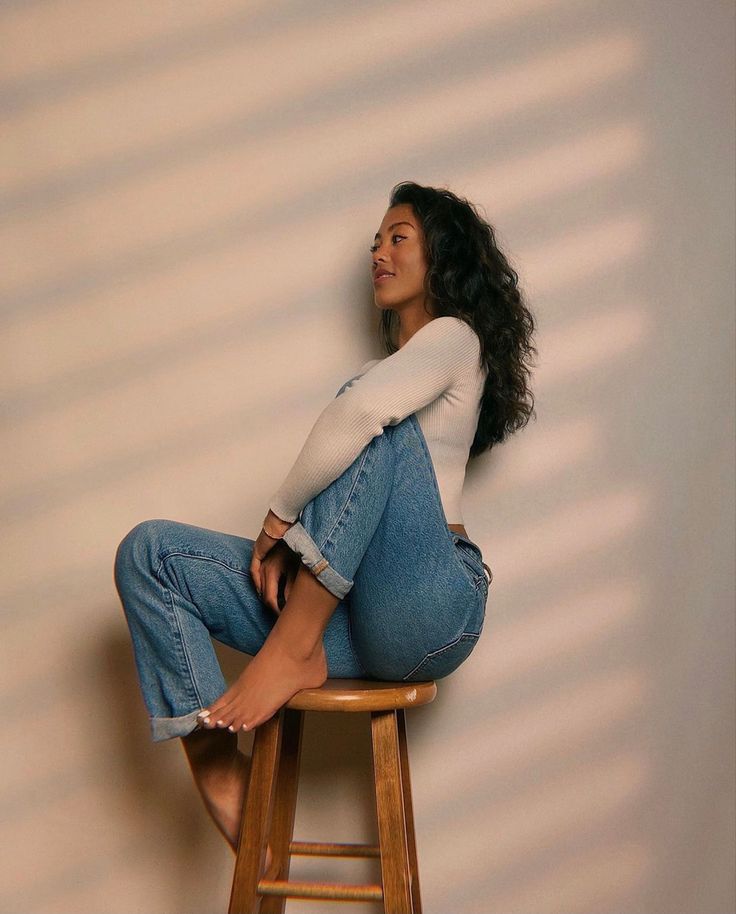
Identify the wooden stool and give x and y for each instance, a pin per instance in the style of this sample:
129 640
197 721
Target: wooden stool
270 802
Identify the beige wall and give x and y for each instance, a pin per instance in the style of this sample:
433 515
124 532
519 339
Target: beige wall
188 195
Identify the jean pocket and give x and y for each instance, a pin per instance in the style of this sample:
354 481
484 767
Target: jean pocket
442 662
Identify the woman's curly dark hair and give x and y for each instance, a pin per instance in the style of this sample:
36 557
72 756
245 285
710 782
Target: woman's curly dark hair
470 278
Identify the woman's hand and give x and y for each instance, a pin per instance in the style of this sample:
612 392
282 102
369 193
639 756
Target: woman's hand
278 569
263 547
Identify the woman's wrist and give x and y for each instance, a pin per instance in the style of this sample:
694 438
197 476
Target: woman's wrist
274 526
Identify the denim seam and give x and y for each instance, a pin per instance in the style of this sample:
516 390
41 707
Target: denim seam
323 564
338 520
169 597
202 555
431 654
206 558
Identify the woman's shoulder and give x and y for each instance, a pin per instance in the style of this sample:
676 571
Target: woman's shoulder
435 335
457 326
447 329
368 365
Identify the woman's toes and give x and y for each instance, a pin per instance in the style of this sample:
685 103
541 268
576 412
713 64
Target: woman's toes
230 716
221 711
220 706
215 718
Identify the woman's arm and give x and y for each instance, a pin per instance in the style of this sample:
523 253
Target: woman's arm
396 387
272 522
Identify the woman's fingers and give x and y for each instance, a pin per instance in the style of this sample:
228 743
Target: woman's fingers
273 569
271 585
255 573
261 547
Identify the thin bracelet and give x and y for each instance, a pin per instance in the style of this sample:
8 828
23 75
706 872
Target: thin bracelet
270 535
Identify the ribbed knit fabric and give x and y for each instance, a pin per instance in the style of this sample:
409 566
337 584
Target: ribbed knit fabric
435 374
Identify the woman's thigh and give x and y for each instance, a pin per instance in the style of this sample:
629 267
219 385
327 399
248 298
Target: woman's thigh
413 596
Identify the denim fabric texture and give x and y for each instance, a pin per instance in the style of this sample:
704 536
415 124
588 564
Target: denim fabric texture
412 592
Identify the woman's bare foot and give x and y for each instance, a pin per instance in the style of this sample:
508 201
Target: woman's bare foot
274 675
221 773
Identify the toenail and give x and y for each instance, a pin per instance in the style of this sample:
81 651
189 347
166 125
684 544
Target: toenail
219 723
231 728
204 714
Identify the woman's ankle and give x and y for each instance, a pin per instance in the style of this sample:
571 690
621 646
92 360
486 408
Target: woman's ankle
301 645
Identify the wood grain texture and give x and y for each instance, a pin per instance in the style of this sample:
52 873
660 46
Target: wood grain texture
411 841
270 804
282 823
395 873
255 823
363 695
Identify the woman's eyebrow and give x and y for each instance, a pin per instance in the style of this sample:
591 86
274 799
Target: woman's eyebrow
378 234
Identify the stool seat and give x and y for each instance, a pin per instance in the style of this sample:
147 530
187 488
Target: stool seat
363 695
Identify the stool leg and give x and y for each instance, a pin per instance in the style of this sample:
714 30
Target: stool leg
411 840
392 836
255 822
284 811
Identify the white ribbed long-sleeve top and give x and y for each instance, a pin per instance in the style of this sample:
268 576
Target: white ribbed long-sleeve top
435 374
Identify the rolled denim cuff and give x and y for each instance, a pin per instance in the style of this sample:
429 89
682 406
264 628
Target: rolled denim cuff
297 538
169 727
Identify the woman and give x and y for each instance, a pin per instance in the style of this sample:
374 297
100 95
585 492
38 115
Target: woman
365 537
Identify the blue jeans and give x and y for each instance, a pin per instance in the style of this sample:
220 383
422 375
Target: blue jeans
412 592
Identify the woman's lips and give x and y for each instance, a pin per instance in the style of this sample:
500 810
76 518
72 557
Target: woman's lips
383 277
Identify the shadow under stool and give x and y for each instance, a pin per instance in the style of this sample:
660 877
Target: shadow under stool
270 803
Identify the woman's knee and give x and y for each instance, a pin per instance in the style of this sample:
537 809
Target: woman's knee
139 548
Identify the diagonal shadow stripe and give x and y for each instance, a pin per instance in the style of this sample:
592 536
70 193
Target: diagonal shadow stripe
32 400
90 381
481 48
462 150
209 38
208 435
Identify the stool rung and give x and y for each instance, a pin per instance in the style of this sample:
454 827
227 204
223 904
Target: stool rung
326 891
313 849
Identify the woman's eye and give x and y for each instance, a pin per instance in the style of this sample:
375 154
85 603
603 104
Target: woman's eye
373 247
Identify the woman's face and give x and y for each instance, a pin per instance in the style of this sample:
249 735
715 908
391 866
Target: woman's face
398 249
